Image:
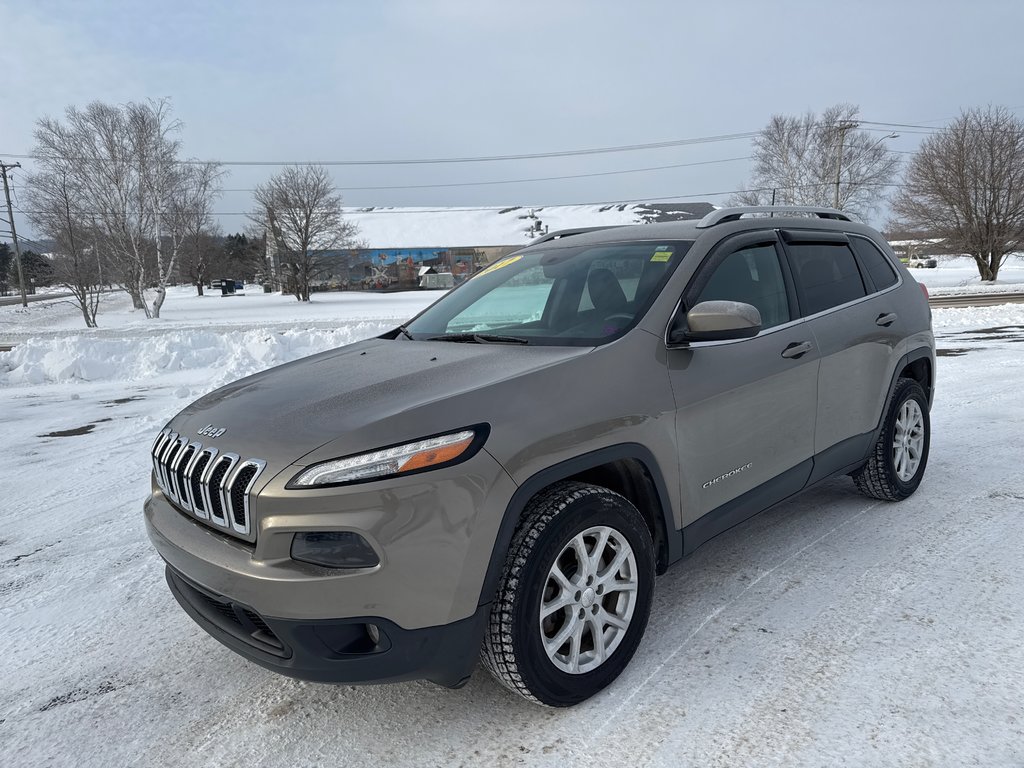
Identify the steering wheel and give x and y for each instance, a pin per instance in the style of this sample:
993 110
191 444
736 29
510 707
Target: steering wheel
627 316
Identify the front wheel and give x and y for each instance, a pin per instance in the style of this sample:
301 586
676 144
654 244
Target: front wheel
898 459
575 596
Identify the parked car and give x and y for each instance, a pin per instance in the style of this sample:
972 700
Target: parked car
926 262
512 467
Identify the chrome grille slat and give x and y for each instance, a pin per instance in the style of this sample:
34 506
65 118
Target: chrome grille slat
171 469
181 463
158 446
198 482
240 486
165 458
192 484
218 475
209 485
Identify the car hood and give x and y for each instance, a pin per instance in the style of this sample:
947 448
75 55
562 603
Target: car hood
373 392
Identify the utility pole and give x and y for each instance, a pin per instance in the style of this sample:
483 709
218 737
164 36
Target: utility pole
843 127
14 234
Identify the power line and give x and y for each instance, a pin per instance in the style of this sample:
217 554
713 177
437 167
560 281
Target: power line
449 160
521 156
22 239
523 181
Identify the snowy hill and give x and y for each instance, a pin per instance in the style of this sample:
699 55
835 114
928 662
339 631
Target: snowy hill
476 227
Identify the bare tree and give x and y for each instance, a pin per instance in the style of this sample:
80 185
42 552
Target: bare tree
820 160
54 202
126 172
201 256
301 212
96 146
191 228
162 185
966 186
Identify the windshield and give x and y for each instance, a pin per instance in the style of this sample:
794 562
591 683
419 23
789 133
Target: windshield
584 295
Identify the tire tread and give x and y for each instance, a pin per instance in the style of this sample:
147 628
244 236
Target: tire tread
875 478
498 653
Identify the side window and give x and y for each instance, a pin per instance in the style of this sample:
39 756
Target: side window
879 269
753 276
827 273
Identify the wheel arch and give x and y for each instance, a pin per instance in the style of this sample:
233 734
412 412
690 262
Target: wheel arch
629 469
919 365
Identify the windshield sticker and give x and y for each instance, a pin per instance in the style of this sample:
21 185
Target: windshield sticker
662 253
498 265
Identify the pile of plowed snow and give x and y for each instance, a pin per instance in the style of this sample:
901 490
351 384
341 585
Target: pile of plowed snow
231 354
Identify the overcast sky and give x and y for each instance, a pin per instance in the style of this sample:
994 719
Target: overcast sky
319 80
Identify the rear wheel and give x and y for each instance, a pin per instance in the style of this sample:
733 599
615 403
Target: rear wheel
898 459
575 596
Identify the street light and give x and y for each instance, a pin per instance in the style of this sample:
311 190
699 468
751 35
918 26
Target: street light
843 128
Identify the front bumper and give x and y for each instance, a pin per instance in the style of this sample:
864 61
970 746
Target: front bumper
433 532
351 650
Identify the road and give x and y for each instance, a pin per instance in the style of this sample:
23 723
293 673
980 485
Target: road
976 300
10 301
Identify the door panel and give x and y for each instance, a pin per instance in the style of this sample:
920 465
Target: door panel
745 409
856 332
856 367
745 415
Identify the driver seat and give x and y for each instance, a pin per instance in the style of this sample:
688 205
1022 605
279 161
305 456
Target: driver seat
605 292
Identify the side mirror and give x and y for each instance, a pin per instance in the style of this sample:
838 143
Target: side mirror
716 321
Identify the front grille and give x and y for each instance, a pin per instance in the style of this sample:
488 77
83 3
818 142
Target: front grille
214 487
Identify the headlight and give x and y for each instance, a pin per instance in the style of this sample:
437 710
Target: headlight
429 453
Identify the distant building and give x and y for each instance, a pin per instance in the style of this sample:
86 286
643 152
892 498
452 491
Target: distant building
399 241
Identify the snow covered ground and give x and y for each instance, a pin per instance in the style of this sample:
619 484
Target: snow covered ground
831 630
959 274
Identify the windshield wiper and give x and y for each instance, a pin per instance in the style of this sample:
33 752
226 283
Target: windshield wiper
405 332
479 338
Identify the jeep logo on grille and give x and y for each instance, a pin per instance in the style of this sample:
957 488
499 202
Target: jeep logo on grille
211 431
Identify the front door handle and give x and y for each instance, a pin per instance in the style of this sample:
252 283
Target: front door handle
886 319
796 349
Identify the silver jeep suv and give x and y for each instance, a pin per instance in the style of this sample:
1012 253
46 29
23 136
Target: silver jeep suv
506 473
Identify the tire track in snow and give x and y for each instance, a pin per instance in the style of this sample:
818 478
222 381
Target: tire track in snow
726 607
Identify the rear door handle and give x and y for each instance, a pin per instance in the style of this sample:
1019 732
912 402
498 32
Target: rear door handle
797 348
886 319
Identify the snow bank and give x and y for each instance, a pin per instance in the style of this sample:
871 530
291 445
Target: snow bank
233 354
958 275
955 319
226 354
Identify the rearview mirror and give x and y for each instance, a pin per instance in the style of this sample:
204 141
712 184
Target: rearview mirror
716 321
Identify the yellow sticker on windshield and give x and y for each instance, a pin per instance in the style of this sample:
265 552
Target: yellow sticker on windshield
662 253
498 265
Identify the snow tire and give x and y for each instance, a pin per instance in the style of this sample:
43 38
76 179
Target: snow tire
514 647
879 477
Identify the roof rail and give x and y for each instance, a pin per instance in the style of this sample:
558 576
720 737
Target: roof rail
723 215
559 234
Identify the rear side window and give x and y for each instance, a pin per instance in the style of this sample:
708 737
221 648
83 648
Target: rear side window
826 274
879 269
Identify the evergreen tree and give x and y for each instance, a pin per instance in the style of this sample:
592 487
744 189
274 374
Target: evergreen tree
37 270
6 265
